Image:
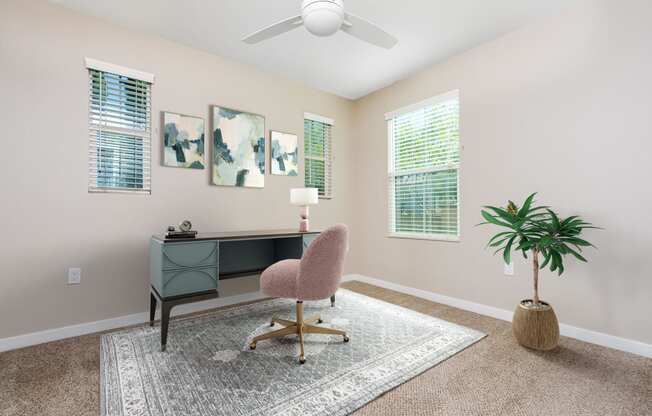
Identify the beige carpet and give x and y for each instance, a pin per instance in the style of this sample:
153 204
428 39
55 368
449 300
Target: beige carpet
492 377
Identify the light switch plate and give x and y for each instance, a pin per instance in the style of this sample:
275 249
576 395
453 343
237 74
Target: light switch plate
508 269
74 276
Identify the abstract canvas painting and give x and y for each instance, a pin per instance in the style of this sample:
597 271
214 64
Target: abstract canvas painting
183 141
238 148
284 154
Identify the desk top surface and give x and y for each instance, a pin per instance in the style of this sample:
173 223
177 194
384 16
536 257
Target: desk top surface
237 235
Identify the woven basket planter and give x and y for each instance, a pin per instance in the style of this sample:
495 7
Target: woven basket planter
535 327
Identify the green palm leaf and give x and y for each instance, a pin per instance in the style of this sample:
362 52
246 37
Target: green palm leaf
538 229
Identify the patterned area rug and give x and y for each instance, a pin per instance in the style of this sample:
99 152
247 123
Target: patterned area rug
208 368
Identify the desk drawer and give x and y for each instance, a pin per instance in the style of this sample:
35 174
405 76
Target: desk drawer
185 281
189 254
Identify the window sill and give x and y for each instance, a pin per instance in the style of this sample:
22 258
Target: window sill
134 191
406 236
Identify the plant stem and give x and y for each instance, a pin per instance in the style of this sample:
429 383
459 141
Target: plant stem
535 269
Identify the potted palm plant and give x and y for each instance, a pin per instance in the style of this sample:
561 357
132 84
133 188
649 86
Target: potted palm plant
546 236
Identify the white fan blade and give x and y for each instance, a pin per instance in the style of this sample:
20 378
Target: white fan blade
367 31
274 30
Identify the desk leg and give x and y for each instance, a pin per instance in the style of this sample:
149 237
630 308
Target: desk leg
165 321
168 304
152 308
333 300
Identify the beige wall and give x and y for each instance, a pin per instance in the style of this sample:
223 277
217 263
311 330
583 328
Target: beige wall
563 107
49 220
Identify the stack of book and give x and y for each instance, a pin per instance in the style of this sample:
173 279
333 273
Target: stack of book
181 234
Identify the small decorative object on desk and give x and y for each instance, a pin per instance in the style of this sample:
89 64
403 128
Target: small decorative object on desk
185 231
304 197
185 225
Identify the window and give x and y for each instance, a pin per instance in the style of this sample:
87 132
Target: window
424 160
317 151
119 129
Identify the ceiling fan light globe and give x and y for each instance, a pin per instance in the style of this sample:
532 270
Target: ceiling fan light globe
322 17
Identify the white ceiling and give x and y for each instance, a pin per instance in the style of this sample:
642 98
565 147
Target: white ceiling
428 31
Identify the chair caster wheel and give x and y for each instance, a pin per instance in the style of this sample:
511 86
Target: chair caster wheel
346 339
302 360
271 324
252 346
320 321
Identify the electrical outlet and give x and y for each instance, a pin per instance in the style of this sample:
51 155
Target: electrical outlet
508 269
74 276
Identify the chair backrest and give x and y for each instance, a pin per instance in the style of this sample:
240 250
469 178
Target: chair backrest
322 263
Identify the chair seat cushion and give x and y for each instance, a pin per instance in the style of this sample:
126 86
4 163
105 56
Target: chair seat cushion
280 279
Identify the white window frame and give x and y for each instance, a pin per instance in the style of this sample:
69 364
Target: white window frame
391 174
328 154
145 135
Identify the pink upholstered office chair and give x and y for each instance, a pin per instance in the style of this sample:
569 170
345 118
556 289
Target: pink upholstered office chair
316 276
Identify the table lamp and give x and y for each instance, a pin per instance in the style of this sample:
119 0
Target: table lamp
304 197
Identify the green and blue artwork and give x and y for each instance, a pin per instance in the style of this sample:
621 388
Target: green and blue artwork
238 148
183 141
285 154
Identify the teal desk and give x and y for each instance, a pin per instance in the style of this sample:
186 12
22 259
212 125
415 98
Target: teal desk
190 270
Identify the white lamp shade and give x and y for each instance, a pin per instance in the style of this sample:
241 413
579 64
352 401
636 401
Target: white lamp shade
304 196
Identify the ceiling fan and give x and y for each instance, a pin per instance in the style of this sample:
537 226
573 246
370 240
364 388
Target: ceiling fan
324 18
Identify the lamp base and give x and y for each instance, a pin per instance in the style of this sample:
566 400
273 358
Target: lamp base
303 224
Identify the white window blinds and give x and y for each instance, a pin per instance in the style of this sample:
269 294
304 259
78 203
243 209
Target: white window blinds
317 138
119 131
424 161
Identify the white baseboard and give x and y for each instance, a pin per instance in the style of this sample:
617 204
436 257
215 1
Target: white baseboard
41 337
599 338
26 340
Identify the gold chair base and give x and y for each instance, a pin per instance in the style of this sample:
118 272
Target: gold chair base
298 327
